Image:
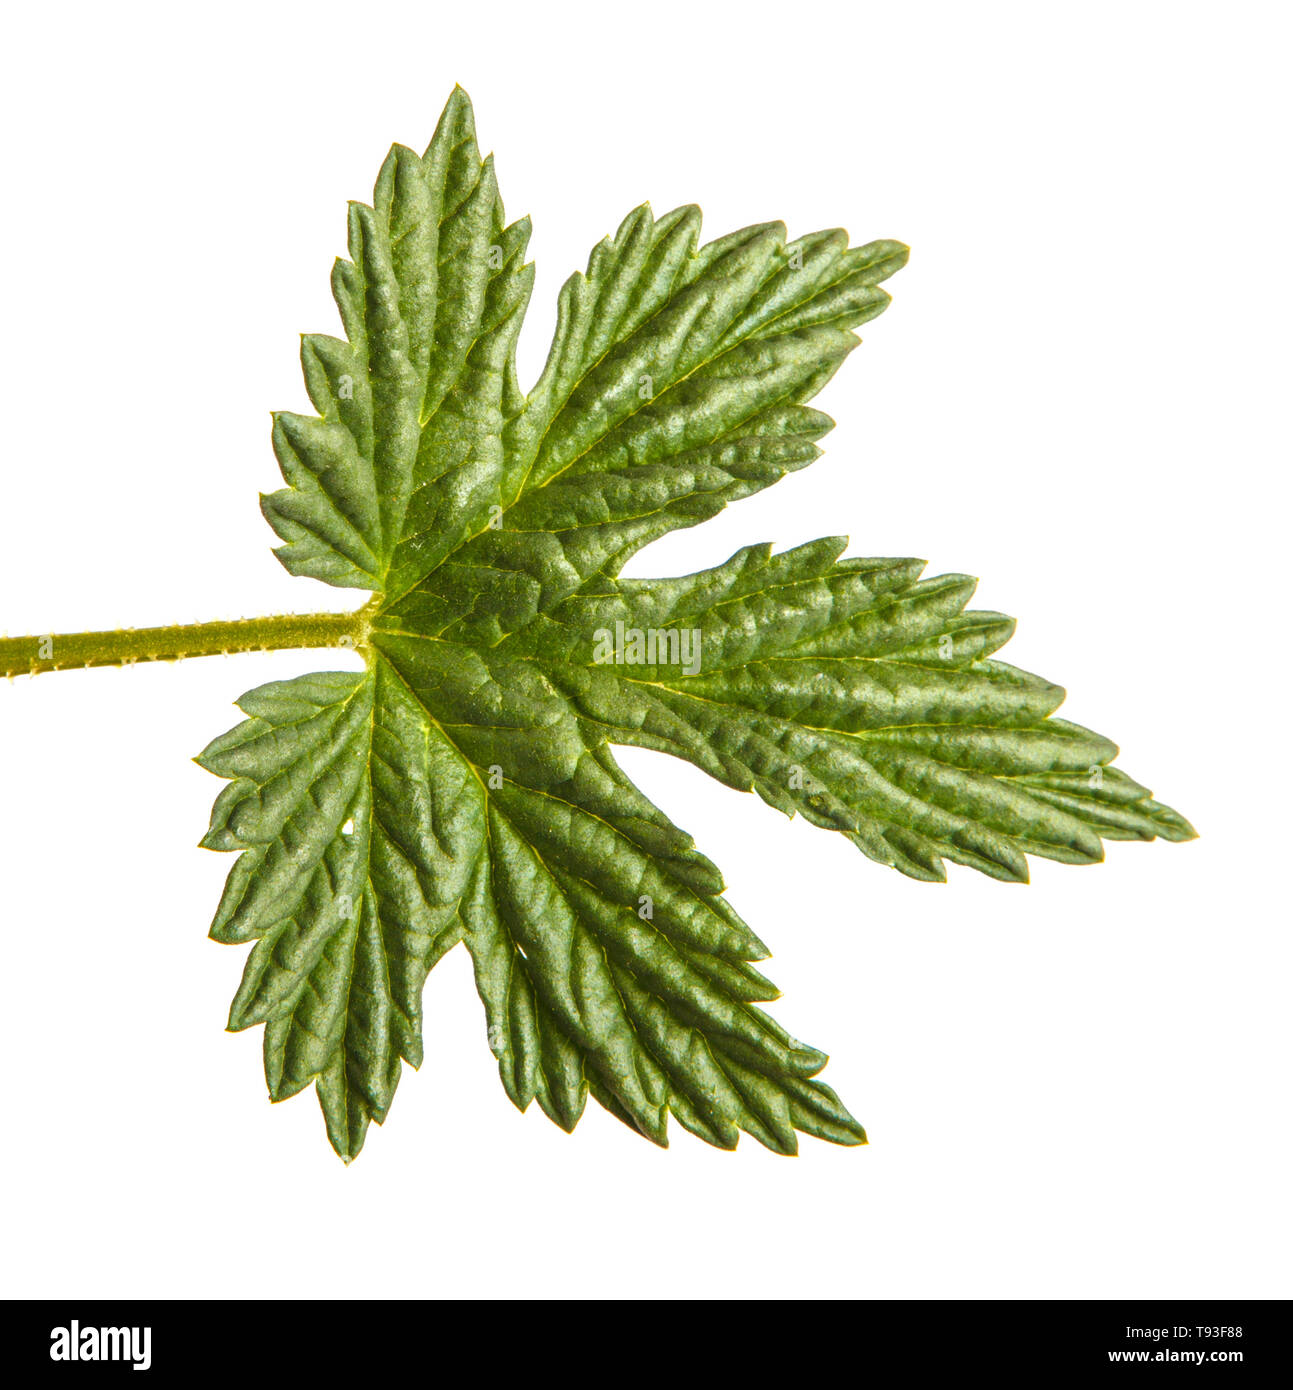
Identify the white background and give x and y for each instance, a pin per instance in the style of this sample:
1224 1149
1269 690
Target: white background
1076 1088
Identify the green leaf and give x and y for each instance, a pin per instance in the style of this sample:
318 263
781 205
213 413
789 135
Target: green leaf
864 698
463 786
360 829
404 458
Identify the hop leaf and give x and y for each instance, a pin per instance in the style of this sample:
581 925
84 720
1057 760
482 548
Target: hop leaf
463 787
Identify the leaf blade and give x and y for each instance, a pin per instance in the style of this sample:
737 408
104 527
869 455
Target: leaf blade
463 787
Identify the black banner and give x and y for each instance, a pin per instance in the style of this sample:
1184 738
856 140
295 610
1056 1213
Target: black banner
86 1339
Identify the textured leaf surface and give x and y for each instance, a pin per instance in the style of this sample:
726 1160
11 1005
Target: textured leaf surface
360 829
864 698
404 458
463 787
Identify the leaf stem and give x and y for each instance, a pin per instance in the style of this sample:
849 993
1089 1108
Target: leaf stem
28 656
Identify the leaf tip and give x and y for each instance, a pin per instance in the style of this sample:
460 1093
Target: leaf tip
1172 825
